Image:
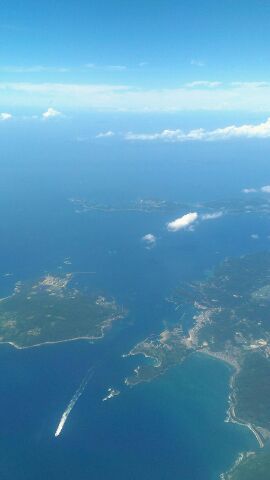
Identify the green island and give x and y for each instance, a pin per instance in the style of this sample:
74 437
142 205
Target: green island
51 310
231 322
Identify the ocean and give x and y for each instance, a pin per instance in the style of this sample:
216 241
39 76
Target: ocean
174 426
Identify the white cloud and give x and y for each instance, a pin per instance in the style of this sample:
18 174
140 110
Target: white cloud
265 189
261 130
32 69
149 239
203 83
197 62
254 236
82 139
182 222
51 113
116 68
249 190
112 68
166 135
242 96
250 84
211 216
5 116
105 134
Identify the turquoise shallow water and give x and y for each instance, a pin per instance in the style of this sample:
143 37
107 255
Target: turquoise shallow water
172 428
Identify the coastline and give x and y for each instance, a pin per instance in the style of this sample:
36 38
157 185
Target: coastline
241 457
89 338
156 364
200 320
191 341
231 415
132 353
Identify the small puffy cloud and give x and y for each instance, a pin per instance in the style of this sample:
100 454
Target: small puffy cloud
149 239
5 116
254 236
265 189
51 113
211 216
105 134
182 222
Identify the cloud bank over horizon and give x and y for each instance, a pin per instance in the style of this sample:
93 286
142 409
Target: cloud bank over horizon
261 130
195 95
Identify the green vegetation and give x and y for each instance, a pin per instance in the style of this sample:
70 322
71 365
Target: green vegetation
236 300
164 350
253 467
232 322
52 311
252 388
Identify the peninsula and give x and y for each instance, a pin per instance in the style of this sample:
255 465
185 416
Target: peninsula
231 323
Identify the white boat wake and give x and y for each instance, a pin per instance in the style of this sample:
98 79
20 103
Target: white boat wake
73 401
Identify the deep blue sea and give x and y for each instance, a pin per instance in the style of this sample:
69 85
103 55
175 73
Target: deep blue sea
172 428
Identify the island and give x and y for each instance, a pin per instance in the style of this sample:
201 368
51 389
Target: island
231 322
111 392
142 205
257 203
53 310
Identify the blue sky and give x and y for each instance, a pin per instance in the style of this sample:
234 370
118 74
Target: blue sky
148 55
229 37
